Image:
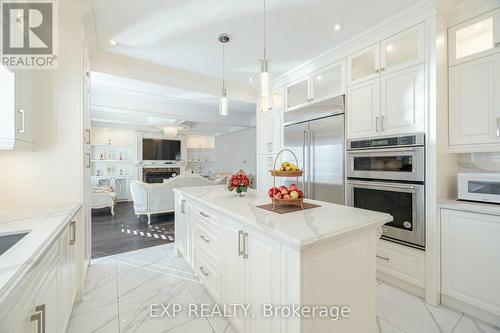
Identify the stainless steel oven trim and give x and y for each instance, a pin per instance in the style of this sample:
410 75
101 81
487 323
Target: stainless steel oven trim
419 141
415 237
417 174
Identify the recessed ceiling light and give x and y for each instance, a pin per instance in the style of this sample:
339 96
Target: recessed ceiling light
337 27
113 42
250 79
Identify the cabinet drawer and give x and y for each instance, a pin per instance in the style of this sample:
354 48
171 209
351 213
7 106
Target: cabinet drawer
208 273
207 216
207 239
401 262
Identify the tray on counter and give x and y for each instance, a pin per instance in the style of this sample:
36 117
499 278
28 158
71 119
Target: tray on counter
284 209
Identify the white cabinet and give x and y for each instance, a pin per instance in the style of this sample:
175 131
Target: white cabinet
183 230
474 38
321 85
264 178
403 101
363 109
386 93
277 101
17 115
470 270
269 132
474 105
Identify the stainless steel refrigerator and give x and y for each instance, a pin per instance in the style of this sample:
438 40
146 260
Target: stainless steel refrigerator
317 139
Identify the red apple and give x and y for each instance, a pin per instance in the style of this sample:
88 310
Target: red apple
283 188
286 196
293 187
284 191
277 196
300 193
272 191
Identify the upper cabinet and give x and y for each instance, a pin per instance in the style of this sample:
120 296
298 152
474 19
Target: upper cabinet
16 109
475 38
317 87
400 51
474 82
386 94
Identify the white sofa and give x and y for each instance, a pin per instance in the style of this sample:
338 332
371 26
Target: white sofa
103 197
159 198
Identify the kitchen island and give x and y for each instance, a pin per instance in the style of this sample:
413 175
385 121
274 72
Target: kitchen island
289 268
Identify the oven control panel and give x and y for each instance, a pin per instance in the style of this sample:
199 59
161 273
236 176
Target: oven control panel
409 140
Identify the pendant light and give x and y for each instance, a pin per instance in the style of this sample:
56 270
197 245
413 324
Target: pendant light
265 75
223 102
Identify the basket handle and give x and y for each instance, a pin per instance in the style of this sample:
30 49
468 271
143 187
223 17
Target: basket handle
282 151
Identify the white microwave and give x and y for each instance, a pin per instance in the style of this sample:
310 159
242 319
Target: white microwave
482 187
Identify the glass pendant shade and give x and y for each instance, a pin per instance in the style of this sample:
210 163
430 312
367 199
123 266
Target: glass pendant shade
265 85
223 103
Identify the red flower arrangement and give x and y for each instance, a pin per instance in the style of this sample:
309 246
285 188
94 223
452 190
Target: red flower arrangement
239 182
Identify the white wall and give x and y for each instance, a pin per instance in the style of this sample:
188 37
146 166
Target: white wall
52 174
236 151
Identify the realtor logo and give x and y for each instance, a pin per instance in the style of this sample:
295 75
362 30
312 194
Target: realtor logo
28 34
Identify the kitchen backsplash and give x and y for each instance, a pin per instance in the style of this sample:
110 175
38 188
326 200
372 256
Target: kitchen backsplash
479 162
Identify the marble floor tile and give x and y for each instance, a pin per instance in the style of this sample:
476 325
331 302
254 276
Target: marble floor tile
468 324
101 281
410 314
196 325
96 318
135 312
384 327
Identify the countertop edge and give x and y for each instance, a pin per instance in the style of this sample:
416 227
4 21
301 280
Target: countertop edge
294 243
35 256
470 206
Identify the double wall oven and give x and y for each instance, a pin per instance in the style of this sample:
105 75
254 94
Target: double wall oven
387 175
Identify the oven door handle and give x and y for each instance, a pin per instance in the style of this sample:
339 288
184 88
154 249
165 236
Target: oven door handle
411 187
385 150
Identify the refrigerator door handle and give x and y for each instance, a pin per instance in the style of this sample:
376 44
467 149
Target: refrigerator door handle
309 161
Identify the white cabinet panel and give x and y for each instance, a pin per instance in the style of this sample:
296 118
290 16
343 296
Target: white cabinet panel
263 280
403 101
363 109
278 99
474 102
276 131
264 178
25 130
474 38
264 133
403 50
364 65
48 297
470 252
233 273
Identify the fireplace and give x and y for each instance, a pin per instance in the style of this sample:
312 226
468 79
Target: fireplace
157 175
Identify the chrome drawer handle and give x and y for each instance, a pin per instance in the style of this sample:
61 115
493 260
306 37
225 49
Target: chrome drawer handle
383 258
39 317
497 44
23 114
202 269
204 214
206 240
183 206
240 250
245 245
72 240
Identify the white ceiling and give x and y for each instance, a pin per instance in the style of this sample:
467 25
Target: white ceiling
141 105
183 34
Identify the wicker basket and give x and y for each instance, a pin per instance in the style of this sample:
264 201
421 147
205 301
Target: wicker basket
299 202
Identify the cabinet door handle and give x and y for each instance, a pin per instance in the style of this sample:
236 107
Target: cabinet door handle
23 122
269 146
183 206
204 214
72 240
497 44
377 124
202 269
245 245
382 123
39 317
240 243
383 258
87 136
382 69
377 70
205 239
87 160
498 126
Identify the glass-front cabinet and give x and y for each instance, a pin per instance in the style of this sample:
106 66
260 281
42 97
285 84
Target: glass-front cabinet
364 65
328 82
475 38
403 50
323 84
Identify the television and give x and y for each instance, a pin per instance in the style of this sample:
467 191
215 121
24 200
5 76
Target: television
161 150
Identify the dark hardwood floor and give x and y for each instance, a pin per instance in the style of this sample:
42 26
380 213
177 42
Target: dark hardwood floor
125 232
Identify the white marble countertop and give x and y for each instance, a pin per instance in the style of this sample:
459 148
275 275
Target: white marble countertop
474 207
43 224
299 229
